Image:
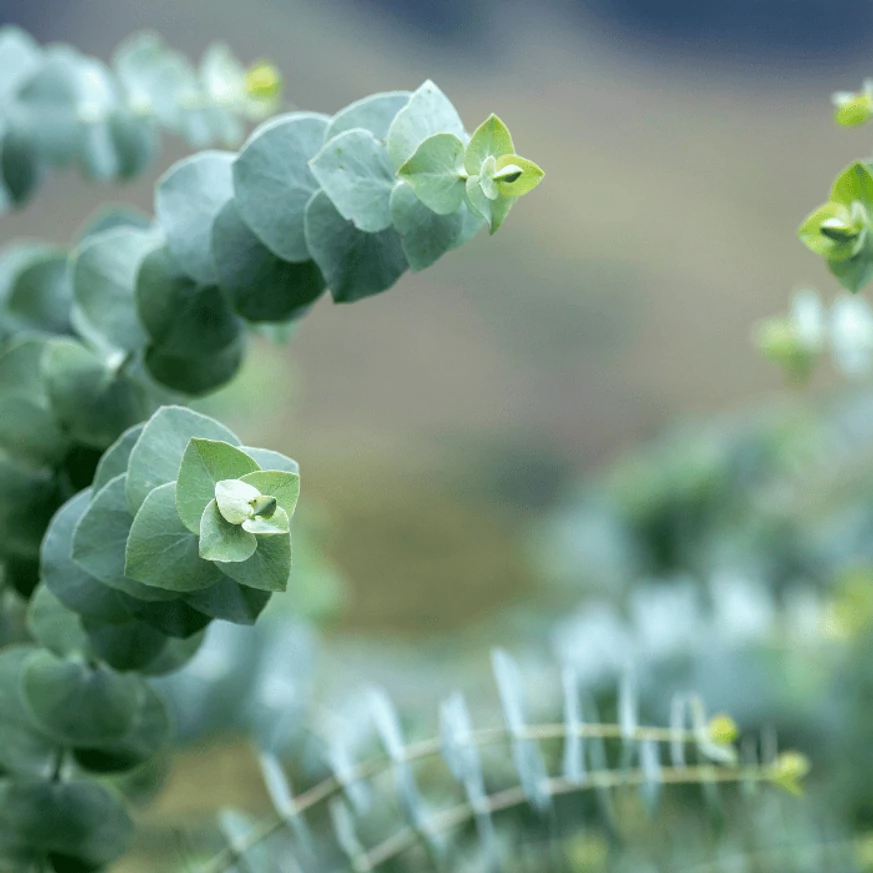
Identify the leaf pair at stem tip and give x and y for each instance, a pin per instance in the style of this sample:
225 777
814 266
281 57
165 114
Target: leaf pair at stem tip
443 172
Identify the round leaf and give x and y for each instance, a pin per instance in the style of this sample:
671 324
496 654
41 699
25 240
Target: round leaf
434 173
355 264
428 111
425 236
354 171
49 106
267 569
374 113
135 138
157 455
175 618
180 316
155 78
100 541
90 401
20 58
28 429
272 181
205 463
148 733
188 197
24 748
284 486
78 818
42 293
79 705
129 646
229 601
13 259
261 287
104 275
53 625
20 167
161 551
195 376
222 541
75 588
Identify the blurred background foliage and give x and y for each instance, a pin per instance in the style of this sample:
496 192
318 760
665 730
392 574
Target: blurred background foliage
560 440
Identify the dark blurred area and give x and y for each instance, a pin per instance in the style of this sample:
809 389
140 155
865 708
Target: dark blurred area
790 32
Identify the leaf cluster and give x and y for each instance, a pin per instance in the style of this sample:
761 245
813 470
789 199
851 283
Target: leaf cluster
840 230
128 523
131 571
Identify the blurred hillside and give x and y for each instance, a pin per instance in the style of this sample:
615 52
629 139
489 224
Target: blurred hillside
618 296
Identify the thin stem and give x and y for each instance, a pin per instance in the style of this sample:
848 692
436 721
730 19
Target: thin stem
515 796
427 748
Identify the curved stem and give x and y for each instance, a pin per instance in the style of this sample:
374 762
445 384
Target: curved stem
515 796
427 748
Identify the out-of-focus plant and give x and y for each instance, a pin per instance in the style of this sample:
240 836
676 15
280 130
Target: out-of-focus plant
841 231
735 559
407 810
60 107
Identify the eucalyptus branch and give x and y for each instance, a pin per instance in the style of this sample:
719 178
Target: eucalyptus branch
498 801
128 523
418 751
513 797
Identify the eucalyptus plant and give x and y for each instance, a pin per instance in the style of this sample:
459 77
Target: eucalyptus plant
426 802
128 522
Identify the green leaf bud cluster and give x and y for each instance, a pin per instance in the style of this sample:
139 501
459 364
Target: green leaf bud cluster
485 173
840 230
310 202
187 522
59 107
175 530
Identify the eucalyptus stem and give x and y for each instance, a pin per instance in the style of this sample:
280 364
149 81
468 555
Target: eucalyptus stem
423 749
516 796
